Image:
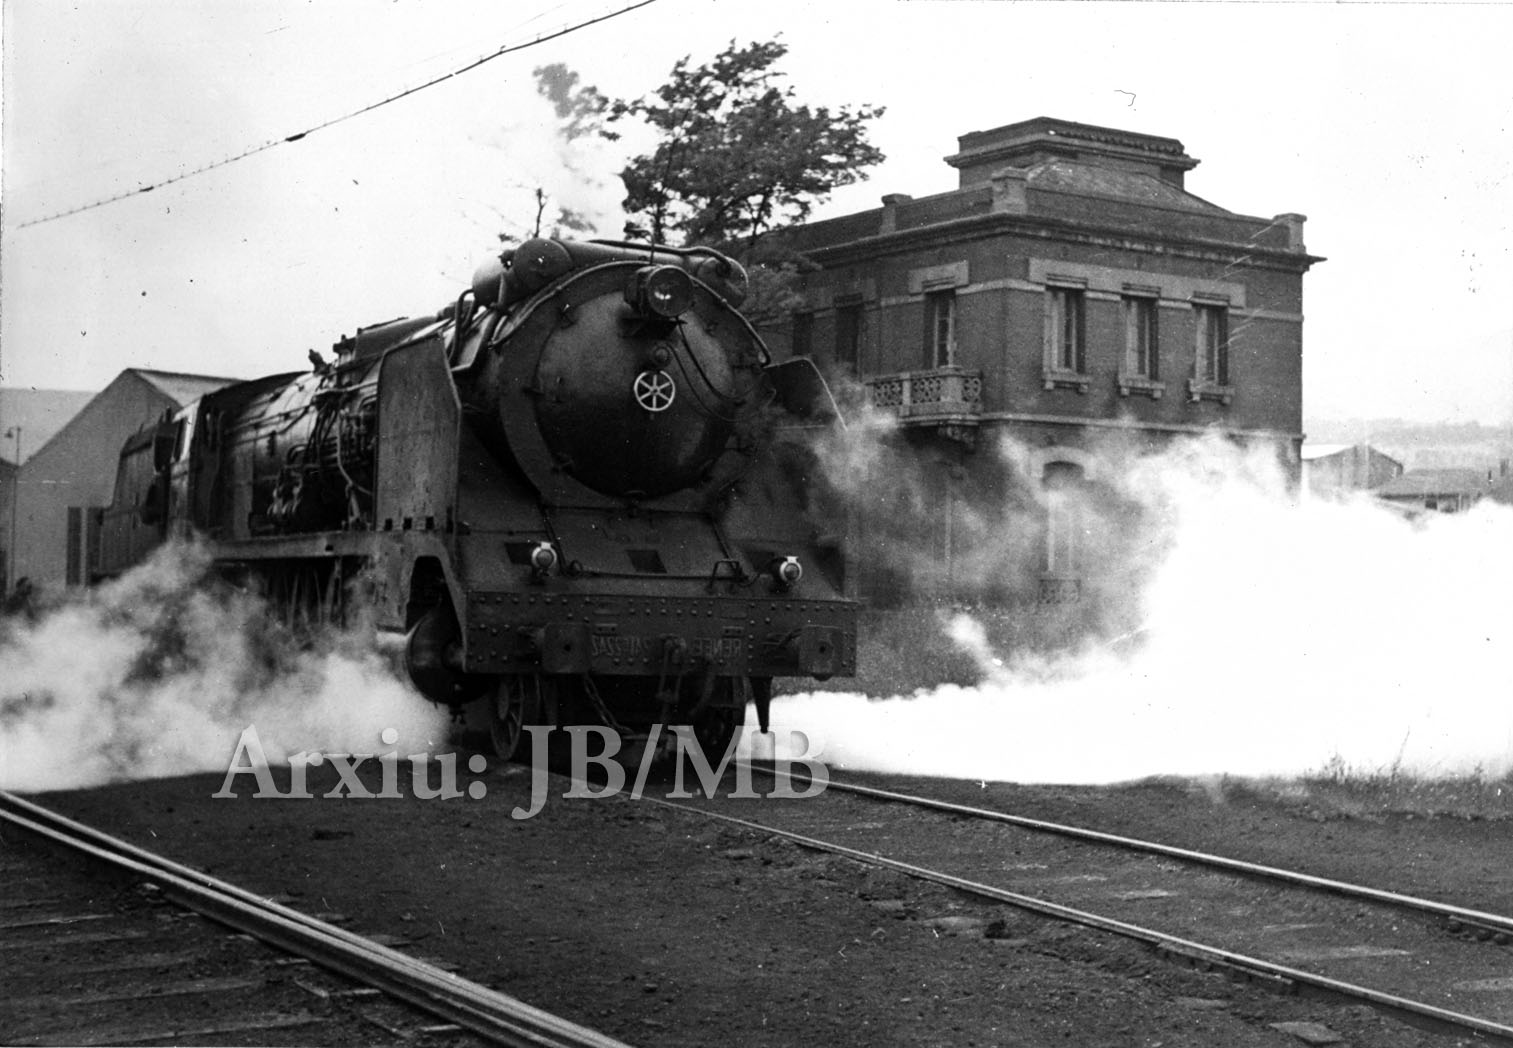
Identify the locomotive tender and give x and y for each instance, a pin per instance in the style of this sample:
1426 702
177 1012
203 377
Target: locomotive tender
583 491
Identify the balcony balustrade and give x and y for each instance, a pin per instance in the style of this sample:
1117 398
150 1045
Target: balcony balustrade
948 397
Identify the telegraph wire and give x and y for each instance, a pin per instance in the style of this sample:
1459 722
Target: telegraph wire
297 136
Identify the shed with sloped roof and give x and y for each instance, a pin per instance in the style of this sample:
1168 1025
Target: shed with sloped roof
67 481
1441 490
28 419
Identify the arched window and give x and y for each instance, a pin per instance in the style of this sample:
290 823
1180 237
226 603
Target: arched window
1063 486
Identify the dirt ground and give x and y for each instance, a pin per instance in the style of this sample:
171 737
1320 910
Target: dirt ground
659 927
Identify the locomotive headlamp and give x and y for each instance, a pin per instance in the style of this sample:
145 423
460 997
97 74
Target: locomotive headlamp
543 558
664 291
788 571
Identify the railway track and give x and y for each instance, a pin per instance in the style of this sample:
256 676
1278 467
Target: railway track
89 960
39 921
1423 961
1496 927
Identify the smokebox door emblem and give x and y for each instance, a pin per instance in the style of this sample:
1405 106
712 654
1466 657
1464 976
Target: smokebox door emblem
654 390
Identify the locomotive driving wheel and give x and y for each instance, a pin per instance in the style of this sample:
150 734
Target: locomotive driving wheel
507 713
308 597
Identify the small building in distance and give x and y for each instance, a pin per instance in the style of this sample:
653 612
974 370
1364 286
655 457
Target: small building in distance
1070 303
1437 490
28 420
1501 489
65 484
1334 470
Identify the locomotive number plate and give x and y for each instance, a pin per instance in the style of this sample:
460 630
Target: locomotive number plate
617 647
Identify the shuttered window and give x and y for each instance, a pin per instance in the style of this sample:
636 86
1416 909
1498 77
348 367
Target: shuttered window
1213 344
1065 329
1140 337
1063 486
940 329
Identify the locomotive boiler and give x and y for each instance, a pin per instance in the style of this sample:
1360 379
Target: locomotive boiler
583 491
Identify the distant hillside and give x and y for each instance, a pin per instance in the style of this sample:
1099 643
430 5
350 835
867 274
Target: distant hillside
1421 445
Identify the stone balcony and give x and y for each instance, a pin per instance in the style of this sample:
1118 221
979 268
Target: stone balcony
949 398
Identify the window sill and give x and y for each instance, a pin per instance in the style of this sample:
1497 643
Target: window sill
1201 389
1067 380
1142 386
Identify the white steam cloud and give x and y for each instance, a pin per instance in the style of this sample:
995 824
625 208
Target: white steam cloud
158 674
1275 637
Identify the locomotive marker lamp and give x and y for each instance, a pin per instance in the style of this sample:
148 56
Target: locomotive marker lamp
543 559
787 572
660 291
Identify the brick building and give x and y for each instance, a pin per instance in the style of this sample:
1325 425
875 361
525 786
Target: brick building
1069 302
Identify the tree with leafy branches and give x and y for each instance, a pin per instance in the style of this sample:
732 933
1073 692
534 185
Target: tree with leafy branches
737 157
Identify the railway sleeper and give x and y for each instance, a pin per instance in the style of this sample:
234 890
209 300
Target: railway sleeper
1471 928
1237 969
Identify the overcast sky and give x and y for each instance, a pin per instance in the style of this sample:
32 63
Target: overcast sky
1387 125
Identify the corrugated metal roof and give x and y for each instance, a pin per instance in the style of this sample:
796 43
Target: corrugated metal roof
40 413
1421 483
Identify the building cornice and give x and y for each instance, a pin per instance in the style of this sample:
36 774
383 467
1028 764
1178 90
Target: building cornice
1069 137
1048 228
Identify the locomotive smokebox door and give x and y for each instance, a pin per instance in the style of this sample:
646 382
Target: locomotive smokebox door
626 380
624 415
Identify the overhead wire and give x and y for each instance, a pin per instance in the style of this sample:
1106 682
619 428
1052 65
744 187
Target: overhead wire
298 135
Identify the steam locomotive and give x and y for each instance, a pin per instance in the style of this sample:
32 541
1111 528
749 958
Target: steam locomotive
582 491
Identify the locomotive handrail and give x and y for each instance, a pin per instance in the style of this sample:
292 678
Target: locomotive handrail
650 248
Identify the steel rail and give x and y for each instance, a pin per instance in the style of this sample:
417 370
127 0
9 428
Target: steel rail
492 1015
1160 941
1499 924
